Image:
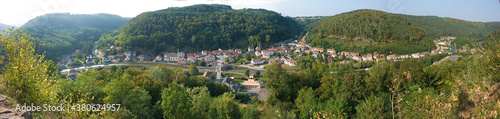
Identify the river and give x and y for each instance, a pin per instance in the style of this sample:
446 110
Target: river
93 66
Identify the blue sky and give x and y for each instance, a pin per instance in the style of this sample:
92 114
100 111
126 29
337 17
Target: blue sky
18 12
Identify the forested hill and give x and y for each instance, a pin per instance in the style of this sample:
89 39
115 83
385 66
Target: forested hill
4 27
377 25
202 27
372 30
62 33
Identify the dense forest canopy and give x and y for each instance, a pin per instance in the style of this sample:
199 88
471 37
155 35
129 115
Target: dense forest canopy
62 33
202 27
366 31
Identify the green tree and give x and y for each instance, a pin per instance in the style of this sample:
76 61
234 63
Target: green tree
246 72
278 83
250 112
306 102
378 80
257 73
117 90
193 70
224 107
243 97
24 76
162 74
334 107
201 63
201 102
373 107
176 102
138 102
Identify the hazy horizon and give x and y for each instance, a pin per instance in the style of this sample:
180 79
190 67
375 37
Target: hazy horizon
476 11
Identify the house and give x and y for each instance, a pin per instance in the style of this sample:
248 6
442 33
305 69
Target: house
257 53
134 53
257 48
192 59
105 59
416 55
257 61
210 58
204 53
251 76
148 59
267 55
190 55
391 57
318 49
334 54
307 51
230 60
331 50
207 74
251 84
111 57
274 49
128 53
60 63
231 54
128 58
381 59
216 52
180 54
403 56
141 58
182 61
315 55
171 57
158 58
228 82
275 60
120 55
238 51
197 55
118 48
72 73
365 57
270 52
291 62
357 58
353 54
71 61
344 53
250 49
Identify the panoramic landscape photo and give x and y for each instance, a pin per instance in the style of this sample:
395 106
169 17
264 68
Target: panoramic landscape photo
250 59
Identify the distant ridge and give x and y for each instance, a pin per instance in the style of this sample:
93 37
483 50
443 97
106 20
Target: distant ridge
62 33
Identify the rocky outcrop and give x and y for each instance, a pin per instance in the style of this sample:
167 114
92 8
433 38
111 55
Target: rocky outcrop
7 110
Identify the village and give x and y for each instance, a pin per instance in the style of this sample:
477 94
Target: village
220 59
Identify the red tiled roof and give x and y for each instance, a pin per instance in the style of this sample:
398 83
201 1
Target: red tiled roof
72 71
